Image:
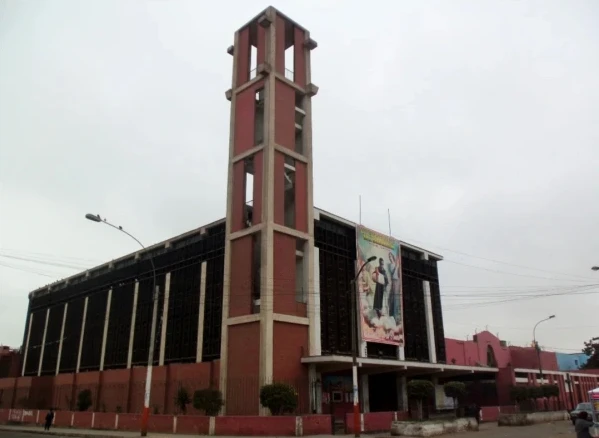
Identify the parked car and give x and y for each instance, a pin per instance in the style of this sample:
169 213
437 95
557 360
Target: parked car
582 407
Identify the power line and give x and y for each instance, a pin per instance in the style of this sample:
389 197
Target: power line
499 261
485 304
511 273
57 264
30 271
47 256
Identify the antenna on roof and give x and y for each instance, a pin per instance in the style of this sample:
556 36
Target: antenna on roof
360 208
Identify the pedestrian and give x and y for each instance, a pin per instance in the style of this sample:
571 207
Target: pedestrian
582 425
49 419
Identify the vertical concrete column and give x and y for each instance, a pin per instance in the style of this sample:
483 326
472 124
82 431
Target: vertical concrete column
227 266
315 379
201 313
64 320
267 236
365 393
430 327
132 330
105 333
39 368
402 392
314 306
439 393
82 334
27 343
167 292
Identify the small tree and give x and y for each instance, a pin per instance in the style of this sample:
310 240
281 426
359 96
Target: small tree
519 394
550 391
278 398
455 391
420 390
535 393
210 401
182 399
84 400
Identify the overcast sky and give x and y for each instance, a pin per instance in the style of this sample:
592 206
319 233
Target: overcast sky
475 123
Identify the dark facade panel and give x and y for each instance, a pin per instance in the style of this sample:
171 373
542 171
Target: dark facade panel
214 307
35 343
438 323
415 334
337 255
91 348
143 321
119 325
183 314
52 342
72 333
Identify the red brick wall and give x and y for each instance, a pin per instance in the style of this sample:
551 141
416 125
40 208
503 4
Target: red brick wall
243 52
284 276
472 352
193 425
82 420
240 300
256 426
280 45
104 420
299 57
301 196
526 357
238 197
243 369
115 390
285 115
317 425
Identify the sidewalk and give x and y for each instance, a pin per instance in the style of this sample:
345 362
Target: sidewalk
67 432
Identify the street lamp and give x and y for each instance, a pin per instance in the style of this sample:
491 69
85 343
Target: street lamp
146 411
534 337
354 306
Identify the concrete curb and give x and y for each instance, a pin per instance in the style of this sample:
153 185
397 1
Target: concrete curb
57 433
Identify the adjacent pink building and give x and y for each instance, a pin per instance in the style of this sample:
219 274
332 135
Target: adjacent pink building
520 366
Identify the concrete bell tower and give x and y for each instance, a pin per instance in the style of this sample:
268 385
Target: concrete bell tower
268 305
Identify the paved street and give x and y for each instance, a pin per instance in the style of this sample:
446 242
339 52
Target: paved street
561 429
18 435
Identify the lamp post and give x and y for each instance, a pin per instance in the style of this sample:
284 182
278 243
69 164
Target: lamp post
354 306
146 411
534 337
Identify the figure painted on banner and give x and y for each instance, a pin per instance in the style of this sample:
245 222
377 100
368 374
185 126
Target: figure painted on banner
367 285
49 419
381 279
393 302
367 290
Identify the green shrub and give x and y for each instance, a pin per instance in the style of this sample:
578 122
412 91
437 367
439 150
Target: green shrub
535 392
420 390
279 398
519 394
550 391
210 401
455 391
182 399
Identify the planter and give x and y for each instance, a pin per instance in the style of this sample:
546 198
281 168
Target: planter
432 428
525 419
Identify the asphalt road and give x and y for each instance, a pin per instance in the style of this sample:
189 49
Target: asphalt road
11 434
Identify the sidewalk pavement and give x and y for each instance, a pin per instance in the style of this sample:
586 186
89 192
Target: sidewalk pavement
94 433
